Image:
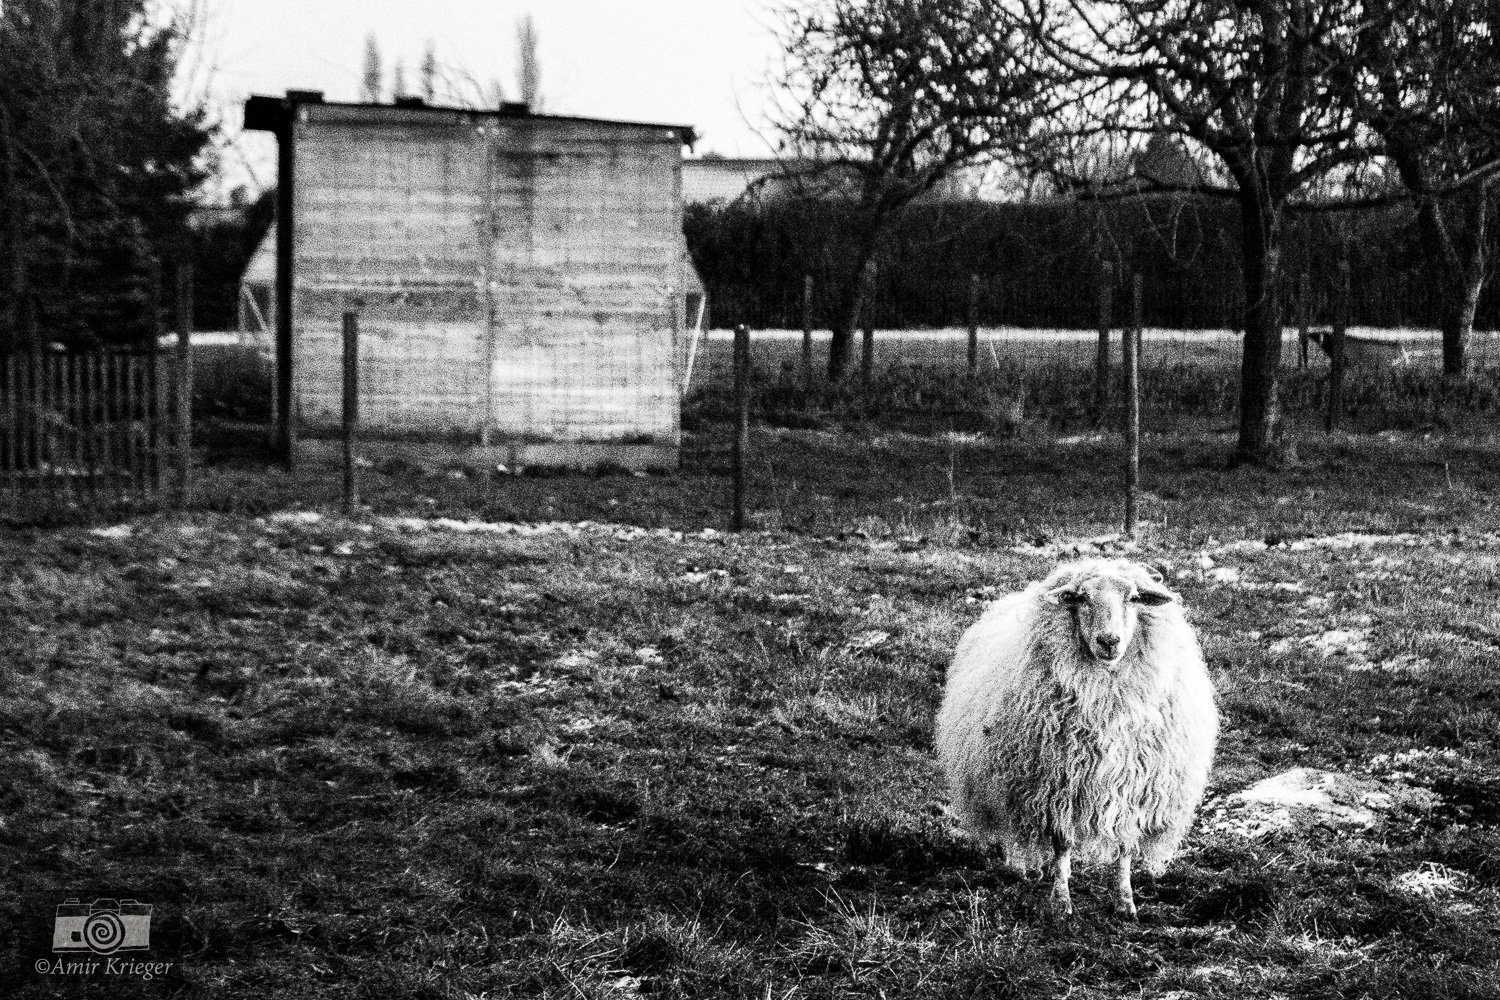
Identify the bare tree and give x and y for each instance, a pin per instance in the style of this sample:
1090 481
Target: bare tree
371 79
528 68
1428 86
398 79
1248 81
880 100
429 73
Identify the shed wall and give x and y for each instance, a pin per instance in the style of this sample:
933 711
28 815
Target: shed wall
387 227
514 276
587 239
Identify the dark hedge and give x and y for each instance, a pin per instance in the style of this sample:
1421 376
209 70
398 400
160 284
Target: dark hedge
1036 262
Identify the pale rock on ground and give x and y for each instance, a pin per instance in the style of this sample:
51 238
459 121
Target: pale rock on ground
1305 798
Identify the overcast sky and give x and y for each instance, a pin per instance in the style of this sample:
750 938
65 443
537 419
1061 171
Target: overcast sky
690 62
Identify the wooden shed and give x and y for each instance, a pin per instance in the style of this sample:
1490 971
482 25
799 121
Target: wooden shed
521 281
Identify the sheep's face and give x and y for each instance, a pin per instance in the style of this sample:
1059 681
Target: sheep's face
1106 608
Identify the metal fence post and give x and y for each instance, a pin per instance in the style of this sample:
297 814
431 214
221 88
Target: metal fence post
1105 297
1132 346
1336 355
185 383
1302 319
867 346
973 323
151 405
351 407
741 421
12 467
35 406
807 319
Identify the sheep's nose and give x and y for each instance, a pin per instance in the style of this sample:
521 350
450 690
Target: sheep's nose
1109 645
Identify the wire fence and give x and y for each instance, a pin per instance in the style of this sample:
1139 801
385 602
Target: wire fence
91 432
995 376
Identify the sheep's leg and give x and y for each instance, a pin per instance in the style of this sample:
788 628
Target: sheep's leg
1124 894
1061 900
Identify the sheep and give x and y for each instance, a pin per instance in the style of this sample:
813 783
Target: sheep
1078 723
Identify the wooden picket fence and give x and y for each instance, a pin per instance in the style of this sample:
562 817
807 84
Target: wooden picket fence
91 431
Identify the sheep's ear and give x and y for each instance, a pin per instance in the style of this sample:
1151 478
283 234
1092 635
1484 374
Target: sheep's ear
1154 595
1068 593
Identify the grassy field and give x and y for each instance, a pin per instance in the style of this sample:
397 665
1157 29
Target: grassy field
614 754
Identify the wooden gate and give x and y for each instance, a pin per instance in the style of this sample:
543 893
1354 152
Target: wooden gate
89 430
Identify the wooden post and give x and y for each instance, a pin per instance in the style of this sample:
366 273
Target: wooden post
807 319
67 421
79 423
973 323
741 421
1302 319
285 427
1132 346
1336 355
184 401
351 407
132 403
87 423
152 394
130 396
44 414
12 438
116 450
144 363
491 311
107 429
1105 298
34 404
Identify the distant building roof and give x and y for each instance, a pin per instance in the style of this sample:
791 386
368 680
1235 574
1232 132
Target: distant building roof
723 178
720 179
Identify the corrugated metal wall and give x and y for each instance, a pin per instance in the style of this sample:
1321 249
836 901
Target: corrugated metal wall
526 268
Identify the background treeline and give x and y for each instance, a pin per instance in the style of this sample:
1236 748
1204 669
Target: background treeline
97 170
1037 262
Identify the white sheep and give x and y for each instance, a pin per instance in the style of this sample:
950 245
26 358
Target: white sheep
1079 724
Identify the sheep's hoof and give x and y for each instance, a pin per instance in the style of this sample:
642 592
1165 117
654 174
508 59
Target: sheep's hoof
1125 908
1059 907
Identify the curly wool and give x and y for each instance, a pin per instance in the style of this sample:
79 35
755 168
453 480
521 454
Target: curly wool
1040 742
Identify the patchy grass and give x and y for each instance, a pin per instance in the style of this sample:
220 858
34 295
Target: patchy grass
343 758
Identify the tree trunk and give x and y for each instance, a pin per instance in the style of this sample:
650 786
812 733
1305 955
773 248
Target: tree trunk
851 296
1458 266
1460 302
850 302
1260 404
1455 261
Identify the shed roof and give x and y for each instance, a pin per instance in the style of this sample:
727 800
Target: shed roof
270 114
